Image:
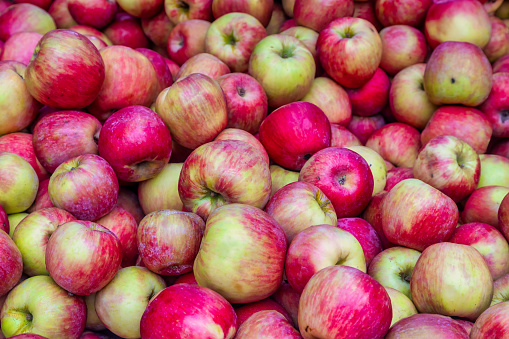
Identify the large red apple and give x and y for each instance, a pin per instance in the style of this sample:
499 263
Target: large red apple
157 28
126 30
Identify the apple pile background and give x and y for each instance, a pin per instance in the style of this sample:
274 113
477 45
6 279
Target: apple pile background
254 169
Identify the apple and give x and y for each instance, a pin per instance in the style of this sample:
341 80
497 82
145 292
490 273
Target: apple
245 311
157 28
460 20
343 301
121 304
465 294
501 65
365 234
24 18
89 265
141 9
343 176
397 174
130 80
4 221
44 4
181 115
173 67
396 142
91 31
63 135
332 99
20 47
493 170
85 186
246 245
239 134
203 63
287 297
186 278
281 177
126 30
42 199
450 165
372 97
483 204
402 306
97 13
342 137
409 102
500 289
233 37
492 322
376 164
261 10
363 127
458 73
267 324
128 200
17 104
406 12
501 147
12 263
495 106
350 51
19 184
427 325
503 216
27 310
14 220
182 10
498 45
466 123
93 321
59 11
290 142
276 20
181 309
162 70
366 10
317 14
186 40
161 191
168 241
284 67
373 215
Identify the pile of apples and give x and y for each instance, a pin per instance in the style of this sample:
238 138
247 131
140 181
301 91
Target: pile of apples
254 169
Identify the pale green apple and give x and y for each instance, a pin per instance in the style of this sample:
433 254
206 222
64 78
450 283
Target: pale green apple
14 220
18 185
494 170
402 306
93 321
281 177
376 165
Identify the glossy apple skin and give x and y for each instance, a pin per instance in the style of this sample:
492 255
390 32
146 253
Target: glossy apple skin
97 13
406 12
429 325
42 199
466 294
32 234
495 107
247 310
157 28
365 234
483 204
373 214
446 20
246 101
343 176
291 146
24 18
179 11
281 177
30 298
341 54
372 97
253 260
86 186
20 47
87 30
59 11
136 143
12 263
317 14
186 40
85 268
126 30
396 142
468 124
450 165
269 324
445 86
168 241
342 300
493 322
419 227
63 135
376 164
363 127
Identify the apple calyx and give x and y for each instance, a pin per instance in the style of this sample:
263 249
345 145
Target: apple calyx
183 6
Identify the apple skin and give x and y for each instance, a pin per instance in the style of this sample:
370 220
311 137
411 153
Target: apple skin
500 147
461 20
261 10
287 25
126 30
130 80
281 177
341 47
466 123
168 241
500 288
203 63
402 306
489 242
366 10
498 45
308 37
343 301
186 40
450 165
253 259
239 134
396 142
85 186
493 170
26 310
246 101
343 176
364 127
372 97
364 233
179 11
173 67
483 204
418 227
406 12
121 304
63 135
317 14
276 20
376 165
19 184
32 234
181 115
450 70
163 72
93 321
495 107
91 31
59 11
86 268
393 268
24 18
157 28
4 221
294 132
397 174
466 294
409 102
17 104
313 207
244 312
96 13
332 99
501 65
141 9
503 216
493 322
136 143
274 322
128 200
181 309
342 137
42 199
320 246
233 37
186 278
12 263
20 47
427 325
287 297
284 67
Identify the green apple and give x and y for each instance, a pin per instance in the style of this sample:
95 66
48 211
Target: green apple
281 177
402 306
19 183
494 170
14 220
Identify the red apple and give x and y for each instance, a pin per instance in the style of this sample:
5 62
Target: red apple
44 4
157 28
12 264
365 234
239 134
173 67
427 325
244 312
503 216
187 39
492 322
261 10
495 107
59 11
372 97
373 214
96 13
267 324
501 65
4 221
128 200
42 200
141 9
366 10
406 12
203 63
87 30
317 14
342 137
483 204
182 10
20 47
186 278
364 127
163 72
397 174
498 46
126 30
24 18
